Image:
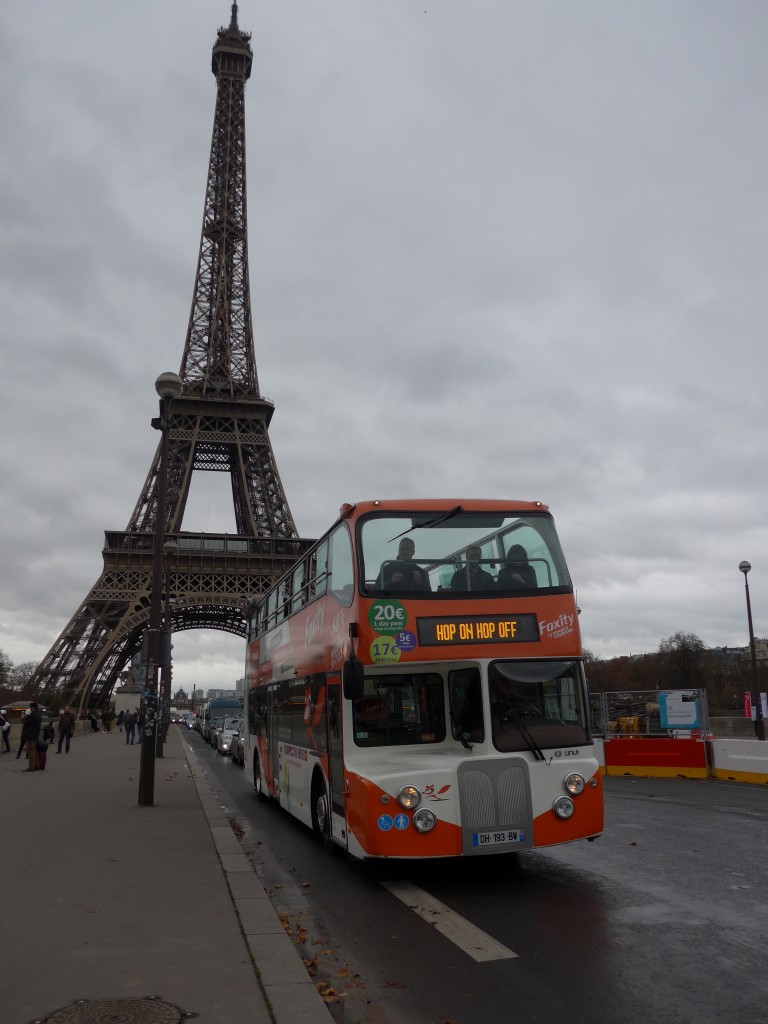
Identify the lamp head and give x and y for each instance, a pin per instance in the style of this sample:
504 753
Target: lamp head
744 567
168 385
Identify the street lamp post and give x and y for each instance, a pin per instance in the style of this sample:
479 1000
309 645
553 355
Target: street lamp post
754 692
170 547
168 387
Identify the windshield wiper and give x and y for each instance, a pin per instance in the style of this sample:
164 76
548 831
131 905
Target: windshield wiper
458 735
533 746
430 522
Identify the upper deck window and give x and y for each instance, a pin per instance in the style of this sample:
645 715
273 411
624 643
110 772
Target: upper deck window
455 553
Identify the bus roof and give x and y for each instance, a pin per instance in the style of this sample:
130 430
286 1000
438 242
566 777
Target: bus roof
438 505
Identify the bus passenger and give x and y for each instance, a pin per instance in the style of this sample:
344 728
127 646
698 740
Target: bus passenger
517 574
403 573
472 576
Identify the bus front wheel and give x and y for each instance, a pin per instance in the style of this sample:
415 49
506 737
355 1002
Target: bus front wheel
321 812
258 781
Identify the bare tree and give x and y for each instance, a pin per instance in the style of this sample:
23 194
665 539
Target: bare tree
20 676
684 661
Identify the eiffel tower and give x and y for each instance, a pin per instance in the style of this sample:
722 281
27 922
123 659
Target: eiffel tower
220 422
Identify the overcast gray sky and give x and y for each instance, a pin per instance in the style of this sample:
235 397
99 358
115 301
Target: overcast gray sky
498 248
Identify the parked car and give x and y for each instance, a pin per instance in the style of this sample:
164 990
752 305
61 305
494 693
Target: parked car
237 747
225 734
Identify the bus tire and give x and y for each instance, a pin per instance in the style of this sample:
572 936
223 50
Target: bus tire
321 812
258 782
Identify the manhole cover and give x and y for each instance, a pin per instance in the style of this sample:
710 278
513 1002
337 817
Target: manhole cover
147 1010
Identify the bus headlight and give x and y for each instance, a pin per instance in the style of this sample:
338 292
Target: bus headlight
424 820
574 784
408 797
563 807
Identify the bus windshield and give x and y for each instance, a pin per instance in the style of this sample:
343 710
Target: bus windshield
454 552
537 704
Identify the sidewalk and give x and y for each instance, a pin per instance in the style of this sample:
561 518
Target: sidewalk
107 901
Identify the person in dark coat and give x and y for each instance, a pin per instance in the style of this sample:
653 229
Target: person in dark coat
130 726
66 729
403 572
120 720
5 729
518 573
472 576
30 734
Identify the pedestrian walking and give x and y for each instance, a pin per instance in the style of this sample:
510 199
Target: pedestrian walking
94 721
130 726
107 718
120 720
140 725
30 734
66 729
5 728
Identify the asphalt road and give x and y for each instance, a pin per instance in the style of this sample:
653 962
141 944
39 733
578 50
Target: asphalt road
665 918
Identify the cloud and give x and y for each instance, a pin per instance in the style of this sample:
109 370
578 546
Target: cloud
505 250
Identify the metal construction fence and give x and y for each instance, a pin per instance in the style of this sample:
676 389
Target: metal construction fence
672 713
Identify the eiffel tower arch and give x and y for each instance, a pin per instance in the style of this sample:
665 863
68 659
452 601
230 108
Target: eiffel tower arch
219 423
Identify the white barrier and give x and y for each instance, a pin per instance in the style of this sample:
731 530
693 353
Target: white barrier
740 760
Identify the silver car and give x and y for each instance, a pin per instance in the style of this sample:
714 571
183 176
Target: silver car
225 734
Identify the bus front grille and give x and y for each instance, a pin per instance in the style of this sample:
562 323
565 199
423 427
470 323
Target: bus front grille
495 799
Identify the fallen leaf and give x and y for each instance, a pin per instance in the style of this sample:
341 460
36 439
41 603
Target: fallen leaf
327 993
311 966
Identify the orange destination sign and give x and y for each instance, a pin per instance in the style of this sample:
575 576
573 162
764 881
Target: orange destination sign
478 629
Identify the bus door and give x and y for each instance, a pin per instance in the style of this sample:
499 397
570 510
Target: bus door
335 751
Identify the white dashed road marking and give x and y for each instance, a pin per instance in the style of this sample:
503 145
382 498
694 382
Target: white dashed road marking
473 941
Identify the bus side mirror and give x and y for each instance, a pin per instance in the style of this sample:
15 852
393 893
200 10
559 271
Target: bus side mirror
352 676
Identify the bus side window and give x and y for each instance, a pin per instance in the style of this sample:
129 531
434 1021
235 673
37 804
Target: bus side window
466 705
318 583
299 593
342 574
270 614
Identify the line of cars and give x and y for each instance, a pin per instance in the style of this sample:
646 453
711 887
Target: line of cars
226 735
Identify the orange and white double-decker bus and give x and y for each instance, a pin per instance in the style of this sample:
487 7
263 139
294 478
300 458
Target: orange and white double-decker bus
415 684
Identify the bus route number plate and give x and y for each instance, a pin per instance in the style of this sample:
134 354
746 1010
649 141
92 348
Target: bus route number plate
510 835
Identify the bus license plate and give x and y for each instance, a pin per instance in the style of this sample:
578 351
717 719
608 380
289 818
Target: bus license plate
510 835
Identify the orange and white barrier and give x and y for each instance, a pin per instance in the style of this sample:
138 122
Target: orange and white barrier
733 760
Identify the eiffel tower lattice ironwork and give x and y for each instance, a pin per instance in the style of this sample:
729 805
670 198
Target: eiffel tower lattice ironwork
220 422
